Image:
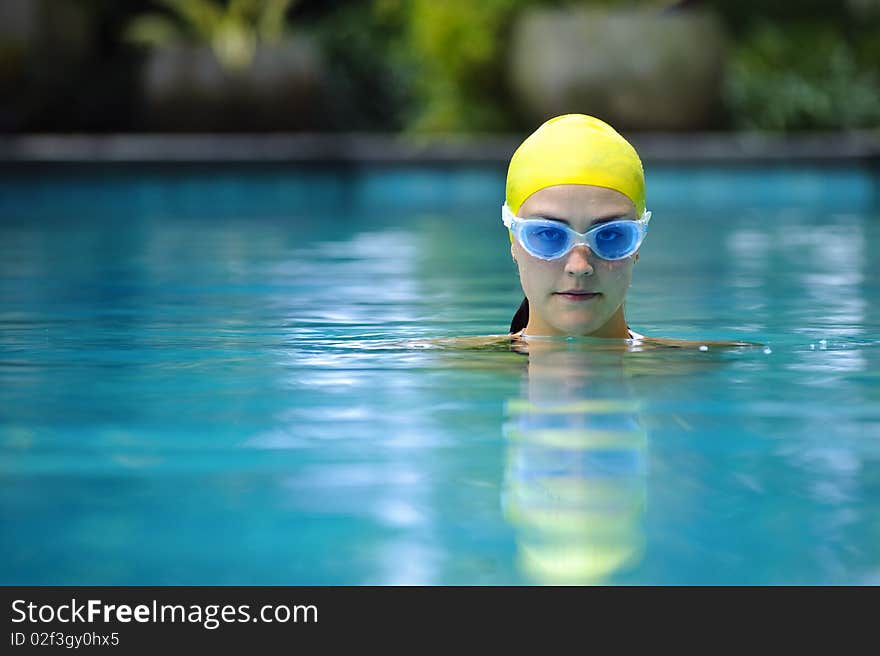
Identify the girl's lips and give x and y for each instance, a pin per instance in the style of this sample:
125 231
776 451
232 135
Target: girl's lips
578 296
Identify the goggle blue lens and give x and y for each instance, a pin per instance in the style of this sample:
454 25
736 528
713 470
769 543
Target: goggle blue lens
614 241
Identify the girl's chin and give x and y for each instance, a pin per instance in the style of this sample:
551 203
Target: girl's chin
575 327
576 316
573 319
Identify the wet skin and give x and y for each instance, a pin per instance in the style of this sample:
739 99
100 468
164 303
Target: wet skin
551 313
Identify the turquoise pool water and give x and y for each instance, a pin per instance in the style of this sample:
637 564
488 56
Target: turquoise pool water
202 382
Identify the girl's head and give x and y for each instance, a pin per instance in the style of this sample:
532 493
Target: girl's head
575 173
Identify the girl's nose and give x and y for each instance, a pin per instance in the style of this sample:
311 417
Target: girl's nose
577 262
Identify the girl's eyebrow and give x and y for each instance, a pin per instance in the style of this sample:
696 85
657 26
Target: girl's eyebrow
604 219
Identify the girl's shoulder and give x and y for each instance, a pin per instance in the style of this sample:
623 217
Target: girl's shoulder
477 342
518 342
702 344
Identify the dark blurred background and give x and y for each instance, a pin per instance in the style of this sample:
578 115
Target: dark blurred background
423 66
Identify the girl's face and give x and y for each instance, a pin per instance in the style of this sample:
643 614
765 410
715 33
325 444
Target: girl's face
543 281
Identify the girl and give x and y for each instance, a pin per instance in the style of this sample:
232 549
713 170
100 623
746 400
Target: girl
575 212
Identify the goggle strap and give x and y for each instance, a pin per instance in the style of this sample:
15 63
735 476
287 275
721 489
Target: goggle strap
507 216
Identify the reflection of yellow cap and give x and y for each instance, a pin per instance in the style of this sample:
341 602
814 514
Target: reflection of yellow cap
575 149
575 487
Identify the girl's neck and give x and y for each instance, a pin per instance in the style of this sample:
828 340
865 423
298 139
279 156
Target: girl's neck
614 328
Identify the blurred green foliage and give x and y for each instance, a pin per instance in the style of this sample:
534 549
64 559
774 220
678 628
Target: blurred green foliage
425 66
459 47
232 28
369 85
802 65
787 69
806 65
804 76
420 65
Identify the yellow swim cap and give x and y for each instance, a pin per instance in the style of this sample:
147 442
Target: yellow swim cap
575 149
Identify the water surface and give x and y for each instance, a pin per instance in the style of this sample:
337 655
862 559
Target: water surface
202 382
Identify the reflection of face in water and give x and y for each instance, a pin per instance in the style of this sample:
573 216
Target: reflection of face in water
575 487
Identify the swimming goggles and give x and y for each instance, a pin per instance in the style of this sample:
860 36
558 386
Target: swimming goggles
549 240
